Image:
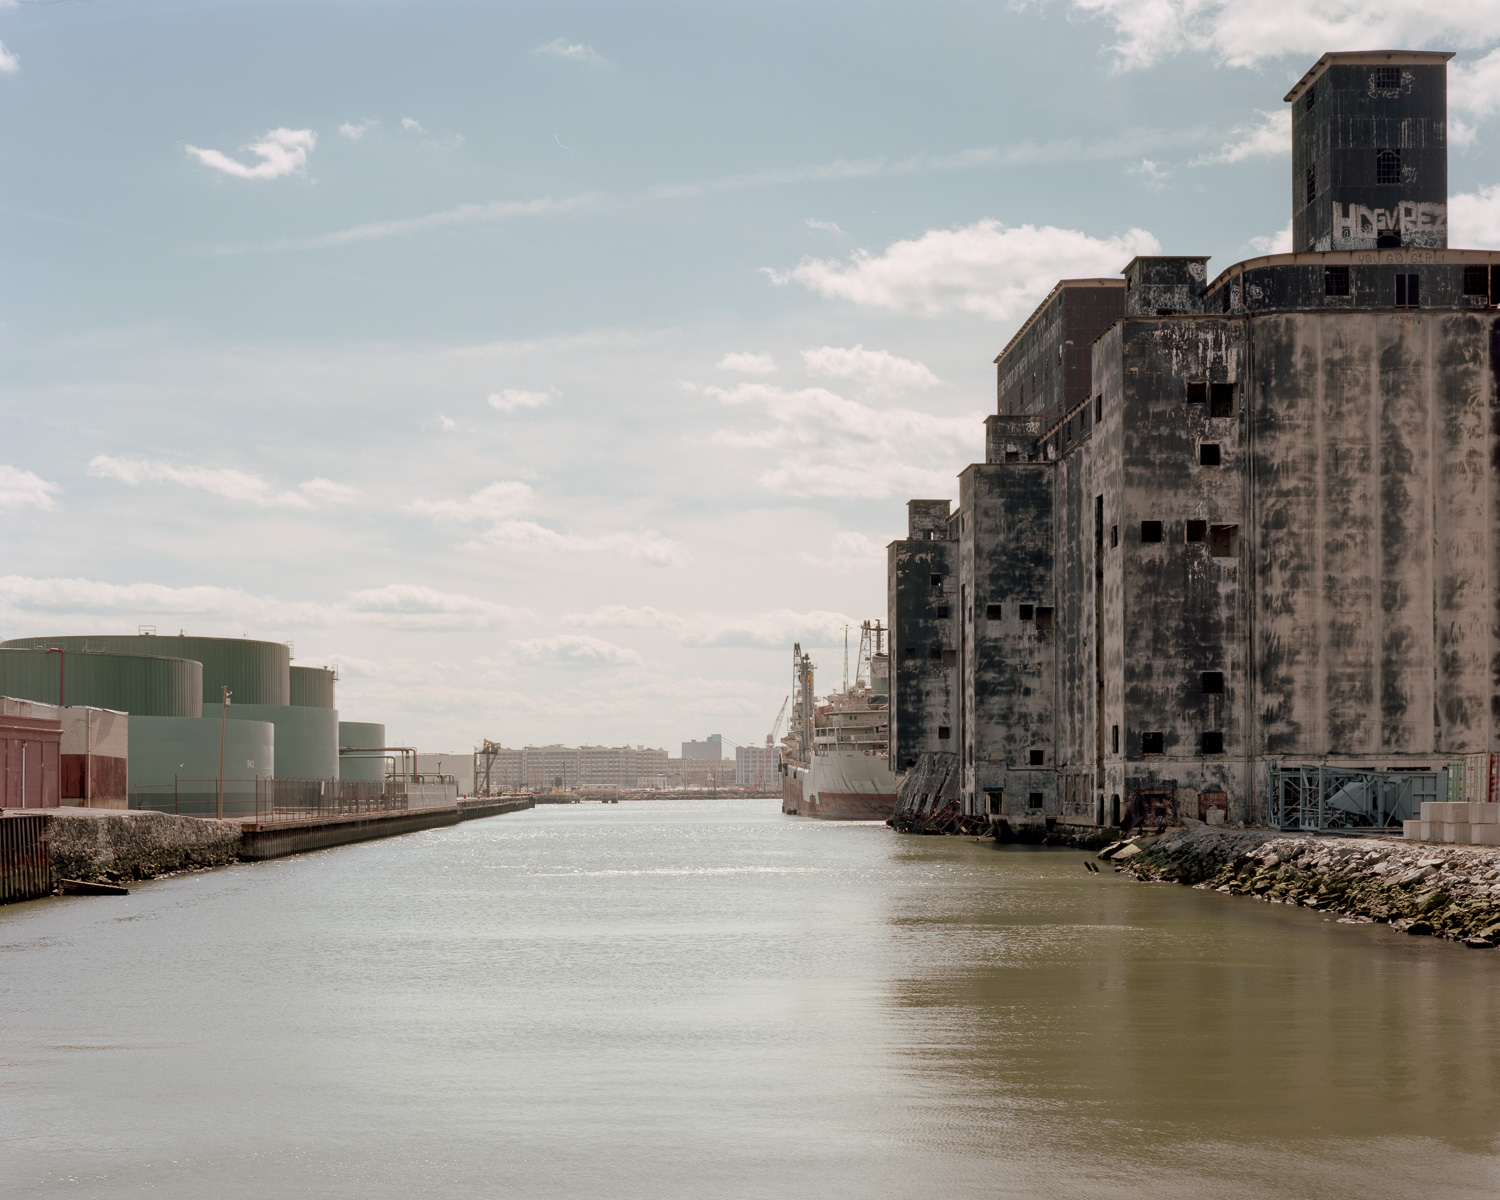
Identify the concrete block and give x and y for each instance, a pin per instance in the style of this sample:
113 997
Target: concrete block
1412 830
1456 832
1482 813
1430 830
1484 835
1443 810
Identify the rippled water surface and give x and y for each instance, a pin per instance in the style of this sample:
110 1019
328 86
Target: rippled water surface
709 999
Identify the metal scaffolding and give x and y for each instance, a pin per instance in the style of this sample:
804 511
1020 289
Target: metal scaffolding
1322 797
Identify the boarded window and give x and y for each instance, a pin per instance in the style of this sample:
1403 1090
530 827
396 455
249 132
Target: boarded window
1197 391
991 612
1208 454
1150 531
1221 400
1027 612
1312 103
950 658
1038 757
1408 291
1477 281
1212 683
1335 281
1197 531
1043 618
1224 540
1212 742
1388 166
943 733
1152 743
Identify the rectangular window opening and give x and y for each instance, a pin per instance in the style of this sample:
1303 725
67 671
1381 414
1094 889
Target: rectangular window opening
1114 535
1044 618
1312 183
943 733
1150 531
942 610
1152 743
1197 391
1212 742
937 580
1114 739
1312 102
1027 612
1223 541
1388 166
1012 456
992 612
1221 400
950 658
1197 531
1408 291
1335 281
911 652
935 652
1208 454
1034 800
1387 78
1098 409
1038 757
1212 683
1477 281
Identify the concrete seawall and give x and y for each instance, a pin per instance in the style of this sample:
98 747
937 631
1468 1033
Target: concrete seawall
1444 891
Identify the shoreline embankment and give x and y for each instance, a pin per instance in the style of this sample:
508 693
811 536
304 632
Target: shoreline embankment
123 845
1442 891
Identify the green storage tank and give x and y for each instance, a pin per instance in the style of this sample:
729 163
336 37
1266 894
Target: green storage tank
174 762
354 735
312 687
307 739
256 672
144 685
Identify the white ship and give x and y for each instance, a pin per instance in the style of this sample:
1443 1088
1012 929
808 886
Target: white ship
834 759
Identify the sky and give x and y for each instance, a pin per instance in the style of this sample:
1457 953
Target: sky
552 368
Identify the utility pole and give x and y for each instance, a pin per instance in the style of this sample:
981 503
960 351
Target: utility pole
223 723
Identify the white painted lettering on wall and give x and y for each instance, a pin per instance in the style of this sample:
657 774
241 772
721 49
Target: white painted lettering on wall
1421 223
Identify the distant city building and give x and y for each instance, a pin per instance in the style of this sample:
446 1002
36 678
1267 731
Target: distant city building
699 773
568 767
459 764
712 747
757 767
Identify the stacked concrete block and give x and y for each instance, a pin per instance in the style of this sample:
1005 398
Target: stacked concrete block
1460 822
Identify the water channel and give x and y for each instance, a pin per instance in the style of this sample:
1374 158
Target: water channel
709 999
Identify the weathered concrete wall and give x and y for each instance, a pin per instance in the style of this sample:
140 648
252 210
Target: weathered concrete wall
96 844
921 580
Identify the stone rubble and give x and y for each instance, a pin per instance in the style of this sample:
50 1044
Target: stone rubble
1443 891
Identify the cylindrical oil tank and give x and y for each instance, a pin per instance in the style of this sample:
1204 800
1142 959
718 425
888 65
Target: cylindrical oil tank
174 762
312 687
255 672
357 735
307 739
145 685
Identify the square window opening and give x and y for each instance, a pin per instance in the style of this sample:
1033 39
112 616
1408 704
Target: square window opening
1027 612
935 652
1044 617
1197 391
1038 757
992 612
1221 400
942 610
943 733
911 652
937 580
1387 78
1335 281
1223 540
1208 454
1034 800
1012 456
1197 531
1212 742
1150 531
1212 683
1153 743
1476 280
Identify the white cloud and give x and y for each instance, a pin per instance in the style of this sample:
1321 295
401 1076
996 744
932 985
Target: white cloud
412 125
821 444
1279 242
9 63
281 152
1269 136
22 489
396 606
447 424
825 226
573 51
1474 219
621 616
848 549
1152 172
499 501
985 268
354 132
513 399
575 649
878 371
748 364
1246 33
646 544
241 486
774 630
1473 90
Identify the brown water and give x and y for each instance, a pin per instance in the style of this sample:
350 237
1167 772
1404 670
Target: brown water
708 999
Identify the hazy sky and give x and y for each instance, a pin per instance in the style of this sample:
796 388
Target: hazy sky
551 368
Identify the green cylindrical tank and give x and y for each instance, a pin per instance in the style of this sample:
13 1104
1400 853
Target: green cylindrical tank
307 739
176 760
312 687
256 672
144 685
352 736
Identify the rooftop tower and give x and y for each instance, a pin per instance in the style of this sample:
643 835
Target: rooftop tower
1370 152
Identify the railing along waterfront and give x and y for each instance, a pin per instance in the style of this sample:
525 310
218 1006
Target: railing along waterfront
269 800
25 865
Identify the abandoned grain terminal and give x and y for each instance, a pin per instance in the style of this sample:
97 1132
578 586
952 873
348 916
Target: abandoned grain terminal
1227 526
